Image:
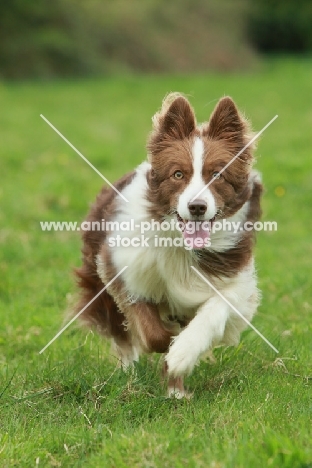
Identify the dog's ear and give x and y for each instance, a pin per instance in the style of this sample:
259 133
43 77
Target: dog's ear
179 119
175 121
227 124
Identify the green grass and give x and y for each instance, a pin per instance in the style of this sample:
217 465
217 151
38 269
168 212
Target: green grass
69 406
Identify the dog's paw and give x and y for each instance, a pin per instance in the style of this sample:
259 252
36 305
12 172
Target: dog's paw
179 394
181 357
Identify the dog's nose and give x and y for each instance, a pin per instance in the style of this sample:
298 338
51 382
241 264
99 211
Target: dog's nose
197 207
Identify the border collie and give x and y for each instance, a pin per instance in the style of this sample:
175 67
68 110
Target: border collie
159 303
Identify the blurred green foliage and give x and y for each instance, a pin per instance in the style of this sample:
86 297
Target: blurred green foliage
281 25
40 38
44 39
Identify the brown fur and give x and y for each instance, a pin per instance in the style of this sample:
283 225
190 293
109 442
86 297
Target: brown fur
103 312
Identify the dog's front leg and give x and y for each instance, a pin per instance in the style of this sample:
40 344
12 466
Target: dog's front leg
143 321
202 333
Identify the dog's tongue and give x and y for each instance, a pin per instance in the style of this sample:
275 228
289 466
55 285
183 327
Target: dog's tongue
195 234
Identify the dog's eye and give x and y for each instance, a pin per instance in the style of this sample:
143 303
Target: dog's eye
178 175
216 175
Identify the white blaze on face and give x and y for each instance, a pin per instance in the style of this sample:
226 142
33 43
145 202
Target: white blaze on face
196 233
196 184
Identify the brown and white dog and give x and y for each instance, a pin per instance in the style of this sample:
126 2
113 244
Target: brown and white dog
159 303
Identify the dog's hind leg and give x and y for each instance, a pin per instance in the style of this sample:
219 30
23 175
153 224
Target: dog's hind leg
125 352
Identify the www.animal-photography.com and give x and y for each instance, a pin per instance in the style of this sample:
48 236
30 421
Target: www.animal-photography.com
155 234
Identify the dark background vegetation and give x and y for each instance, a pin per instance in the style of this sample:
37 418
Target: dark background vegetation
44 39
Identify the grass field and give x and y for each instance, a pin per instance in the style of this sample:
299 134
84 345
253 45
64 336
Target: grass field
70 406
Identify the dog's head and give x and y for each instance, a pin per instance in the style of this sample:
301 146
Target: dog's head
194 175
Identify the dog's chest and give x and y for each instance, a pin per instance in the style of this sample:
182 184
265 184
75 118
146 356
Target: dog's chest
162 275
